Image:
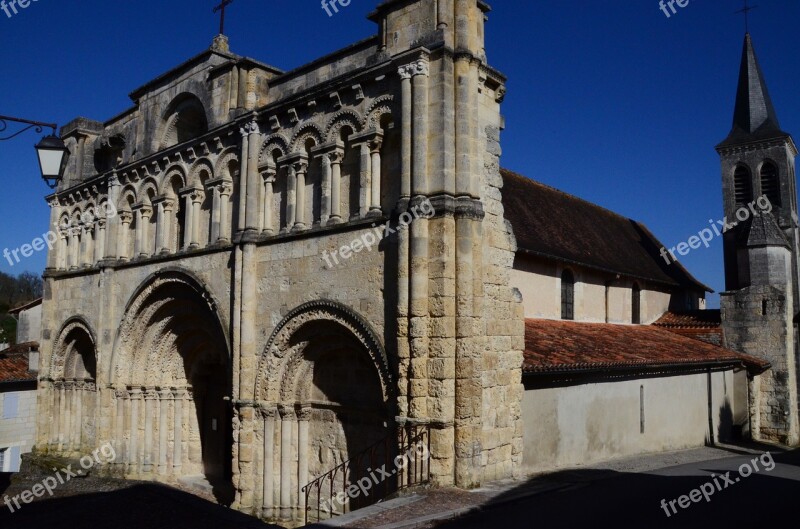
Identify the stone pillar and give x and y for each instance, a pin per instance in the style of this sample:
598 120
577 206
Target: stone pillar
53 252
63 249
375 191
254 141
188 220
325 207
100 240
145 244
63 416
164 403
406 103
160 222
74 246
133 455
364 181
197 200
168 219
75 430
287 425
245 162
268 508
56 420
125 219
336 158
119 428
300 168
225 192
269 188
291 196
87 234
150 399
112 250
302 456
177 449
215 214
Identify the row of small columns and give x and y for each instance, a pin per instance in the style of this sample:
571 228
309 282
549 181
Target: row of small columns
145 453
285 417
67 405
331 157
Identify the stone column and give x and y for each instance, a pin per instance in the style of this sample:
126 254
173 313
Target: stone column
302 456
325 207
145 245
405 130
336 158
269 187
63 249
268 508
119 428
150 399
300 170
133 456
188 220
53 252
375 191
291 197
112 250
287 425
56 424
177 449
225 192
245 161
100 240
74 246
63 416
87 231
253 209
159 226
197 200
166 214
365 179
164 402
124 227
215 214
77 402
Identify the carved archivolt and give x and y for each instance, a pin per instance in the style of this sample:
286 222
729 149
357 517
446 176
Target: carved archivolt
342 118
203 164
74 332
303 133
380 107
271 143
283 358
221 167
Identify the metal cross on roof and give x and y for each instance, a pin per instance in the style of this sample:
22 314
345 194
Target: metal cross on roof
221 9
746 11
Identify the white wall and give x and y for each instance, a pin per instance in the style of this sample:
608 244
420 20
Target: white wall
539 281
17 433
571 426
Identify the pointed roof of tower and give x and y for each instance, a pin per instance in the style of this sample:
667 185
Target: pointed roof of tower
754 117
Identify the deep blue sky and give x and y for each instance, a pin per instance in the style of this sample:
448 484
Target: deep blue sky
607 99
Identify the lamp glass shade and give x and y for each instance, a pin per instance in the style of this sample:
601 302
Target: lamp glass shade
52 158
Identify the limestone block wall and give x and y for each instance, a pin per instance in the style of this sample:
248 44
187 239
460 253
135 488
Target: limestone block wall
18 434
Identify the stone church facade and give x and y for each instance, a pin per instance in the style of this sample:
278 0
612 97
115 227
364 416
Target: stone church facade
191 317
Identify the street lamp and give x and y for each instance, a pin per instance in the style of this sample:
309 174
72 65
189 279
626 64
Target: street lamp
52 152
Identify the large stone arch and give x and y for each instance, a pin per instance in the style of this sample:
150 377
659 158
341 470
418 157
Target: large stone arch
73 373
172 357
323 375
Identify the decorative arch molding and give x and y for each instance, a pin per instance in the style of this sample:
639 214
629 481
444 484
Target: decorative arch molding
283 360
197 167
342 118
165 189
272 142
60 350
148 184
379 108
221 166
303 133
144 303
194 98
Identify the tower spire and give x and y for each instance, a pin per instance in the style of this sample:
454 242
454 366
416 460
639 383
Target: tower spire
754 116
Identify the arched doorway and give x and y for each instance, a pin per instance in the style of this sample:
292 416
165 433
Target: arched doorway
327 395
73 372
172 377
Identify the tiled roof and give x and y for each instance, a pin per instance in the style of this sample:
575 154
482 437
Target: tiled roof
553 224
554 347
691 319
14 363
26 306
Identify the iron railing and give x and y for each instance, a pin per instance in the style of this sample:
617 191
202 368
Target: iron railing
398 461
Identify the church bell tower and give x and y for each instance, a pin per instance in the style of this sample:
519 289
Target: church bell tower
761 251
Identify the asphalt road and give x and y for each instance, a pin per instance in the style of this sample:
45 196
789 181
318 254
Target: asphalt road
604 498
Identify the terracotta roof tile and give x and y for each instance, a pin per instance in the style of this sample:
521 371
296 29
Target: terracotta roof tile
692 319
14 363
565 346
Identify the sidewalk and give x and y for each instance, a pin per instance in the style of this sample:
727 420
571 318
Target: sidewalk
425 509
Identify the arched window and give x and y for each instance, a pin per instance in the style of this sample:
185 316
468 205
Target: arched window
770 185
567 295
742 186
636 304
185 119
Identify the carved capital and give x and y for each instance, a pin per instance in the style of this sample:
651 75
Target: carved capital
197 196
125 217
250 128
405 72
